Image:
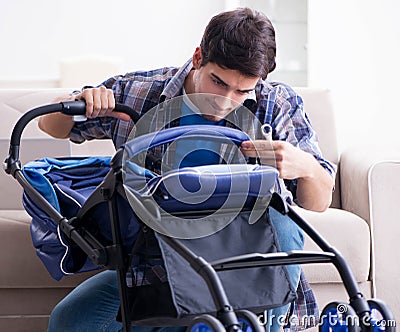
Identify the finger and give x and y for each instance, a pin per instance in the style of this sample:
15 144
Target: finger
110 99
263 145
249 152
268 162
258 153
88 97
96 102
104 105
267 158
247 145
122 116
109 107
260 145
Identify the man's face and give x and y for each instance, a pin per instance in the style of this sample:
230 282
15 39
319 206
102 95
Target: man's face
220 90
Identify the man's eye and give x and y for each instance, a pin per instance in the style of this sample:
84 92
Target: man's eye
216 82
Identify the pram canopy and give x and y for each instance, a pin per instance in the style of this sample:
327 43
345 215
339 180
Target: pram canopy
66 184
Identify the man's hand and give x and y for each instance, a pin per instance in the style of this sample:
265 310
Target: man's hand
100 102
291 162
314 183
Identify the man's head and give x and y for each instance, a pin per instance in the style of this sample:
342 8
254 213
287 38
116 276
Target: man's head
242 40
237 49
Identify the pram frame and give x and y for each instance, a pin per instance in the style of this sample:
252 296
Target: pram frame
113 256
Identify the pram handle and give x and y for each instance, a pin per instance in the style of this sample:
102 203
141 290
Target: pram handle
76 107
210 132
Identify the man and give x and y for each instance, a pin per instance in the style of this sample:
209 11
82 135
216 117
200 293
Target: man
230 66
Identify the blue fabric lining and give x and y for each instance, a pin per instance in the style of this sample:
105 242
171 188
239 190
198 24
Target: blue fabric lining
35 172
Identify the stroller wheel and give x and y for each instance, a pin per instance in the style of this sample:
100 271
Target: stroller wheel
338 317
382 318
205 323
248 321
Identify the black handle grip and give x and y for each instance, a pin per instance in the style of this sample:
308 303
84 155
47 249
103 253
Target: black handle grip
76 107
73 107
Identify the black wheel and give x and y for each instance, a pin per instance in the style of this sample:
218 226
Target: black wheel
248 321
205 323
338 317
382 318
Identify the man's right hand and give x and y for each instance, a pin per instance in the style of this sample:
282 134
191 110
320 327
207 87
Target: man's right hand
100 102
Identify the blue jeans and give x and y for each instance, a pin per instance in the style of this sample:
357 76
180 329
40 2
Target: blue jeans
290 237
93 305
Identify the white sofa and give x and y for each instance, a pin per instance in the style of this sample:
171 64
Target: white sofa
362 222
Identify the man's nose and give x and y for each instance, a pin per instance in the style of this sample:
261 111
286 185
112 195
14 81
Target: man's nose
224 102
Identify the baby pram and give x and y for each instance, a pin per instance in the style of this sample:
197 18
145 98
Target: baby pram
79 238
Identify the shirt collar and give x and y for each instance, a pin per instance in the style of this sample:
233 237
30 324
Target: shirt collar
174 86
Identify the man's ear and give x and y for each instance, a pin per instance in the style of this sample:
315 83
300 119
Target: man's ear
197 58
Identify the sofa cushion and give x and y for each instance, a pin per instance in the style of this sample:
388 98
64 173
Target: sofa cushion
21 268
343 230
350 237
346 232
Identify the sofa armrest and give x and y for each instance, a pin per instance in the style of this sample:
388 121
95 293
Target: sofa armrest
359 180
370 188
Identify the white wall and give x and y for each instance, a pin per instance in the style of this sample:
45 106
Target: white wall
352 47
289 18
36 35
353 50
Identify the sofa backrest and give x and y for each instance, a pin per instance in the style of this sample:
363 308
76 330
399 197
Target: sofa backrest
319 109
34 143
15 102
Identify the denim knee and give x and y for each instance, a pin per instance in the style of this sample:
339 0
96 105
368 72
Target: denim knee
289 235
60 318
92 306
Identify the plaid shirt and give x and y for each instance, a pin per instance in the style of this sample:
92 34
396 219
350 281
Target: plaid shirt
272 102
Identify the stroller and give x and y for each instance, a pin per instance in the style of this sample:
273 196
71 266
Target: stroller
164 239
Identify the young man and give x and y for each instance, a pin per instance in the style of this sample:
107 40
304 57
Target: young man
231 65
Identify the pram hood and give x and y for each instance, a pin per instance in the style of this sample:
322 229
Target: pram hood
40 172
66 184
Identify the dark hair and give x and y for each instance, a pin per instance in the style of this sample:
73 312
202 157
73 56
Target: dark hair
242 40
